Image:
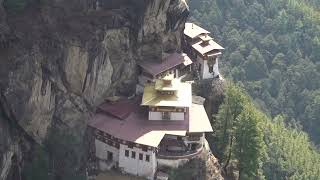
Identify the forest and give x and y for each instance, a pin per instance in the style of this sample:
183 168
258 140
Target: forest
260 147
272 49
268 125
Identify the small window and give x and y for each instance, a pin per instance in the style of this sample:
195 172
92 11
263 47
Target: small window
210 69
144 148
126 153
130 145
148 158
133 155
140 156
165 115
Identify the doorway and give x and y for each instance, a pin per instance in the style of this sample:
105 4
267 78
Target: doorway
110 156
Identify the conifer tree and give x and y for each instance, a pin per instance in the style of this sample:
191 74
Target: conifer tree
249 148
225 123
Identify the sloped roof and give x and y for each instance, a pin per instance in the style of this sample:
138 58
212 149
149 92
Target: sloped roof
198 119
120 109
205 37
191 30
160 86
138 129
154 68
209 47
182 98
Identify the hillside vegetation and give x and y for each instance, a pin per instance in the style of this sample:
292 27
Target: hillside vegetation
273 50
260 148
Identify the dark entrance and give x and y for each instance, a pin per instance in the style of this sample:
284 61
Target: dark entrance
110 156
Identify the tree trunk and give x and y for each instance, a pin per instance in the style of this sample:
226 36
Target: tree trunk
229 155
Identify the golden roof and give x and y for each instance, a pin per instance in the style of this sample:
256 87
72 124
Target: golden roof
182 97
160 85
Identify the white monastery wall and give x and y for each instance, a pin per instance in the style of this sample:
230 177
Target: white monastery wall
177 116
173 115
173 163
155 115
136 166
216 68
102 151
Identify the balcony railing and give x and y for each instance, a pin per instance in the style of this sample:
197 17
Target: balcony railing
193 138
166 154
179 155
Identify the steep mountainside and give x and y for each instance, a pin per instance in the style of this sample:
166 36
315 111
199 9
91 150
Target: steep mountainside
58 59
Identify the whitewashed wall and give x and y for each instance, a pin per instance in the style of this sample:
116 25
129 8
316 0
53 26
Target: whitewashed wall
102 151
205 74
216 68
173 163
155 115
177 116
173 115
136 166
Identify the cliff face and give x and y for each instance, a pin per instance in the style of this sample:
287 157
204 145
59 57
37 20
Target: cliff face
60 59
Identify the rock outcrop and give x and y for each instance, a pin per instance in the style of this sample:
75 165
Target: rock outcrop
61 58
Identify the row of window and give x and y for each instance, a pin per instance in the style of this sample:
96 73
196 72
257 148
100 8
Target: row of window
133 155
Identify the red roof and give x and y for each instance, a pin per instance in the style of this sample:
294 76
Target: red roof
120 109
155 68
137 128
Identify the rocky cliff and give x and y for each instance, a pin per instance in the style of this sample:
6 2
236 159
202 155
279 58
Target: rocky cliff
60 58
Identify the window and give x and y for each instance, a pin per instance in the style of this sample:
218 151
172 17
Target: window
145 148
126 153
148 158
133 155
140 156
210 68
130 145
110 156
165 115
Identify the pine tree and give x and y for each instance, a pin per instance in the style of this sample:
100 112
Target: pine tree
249 148
226 121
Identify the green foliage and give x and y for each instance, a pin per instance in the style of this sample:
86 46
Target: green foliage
238 134
273 49
14 5
291 155
263 148
38 169
249 148
226 120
